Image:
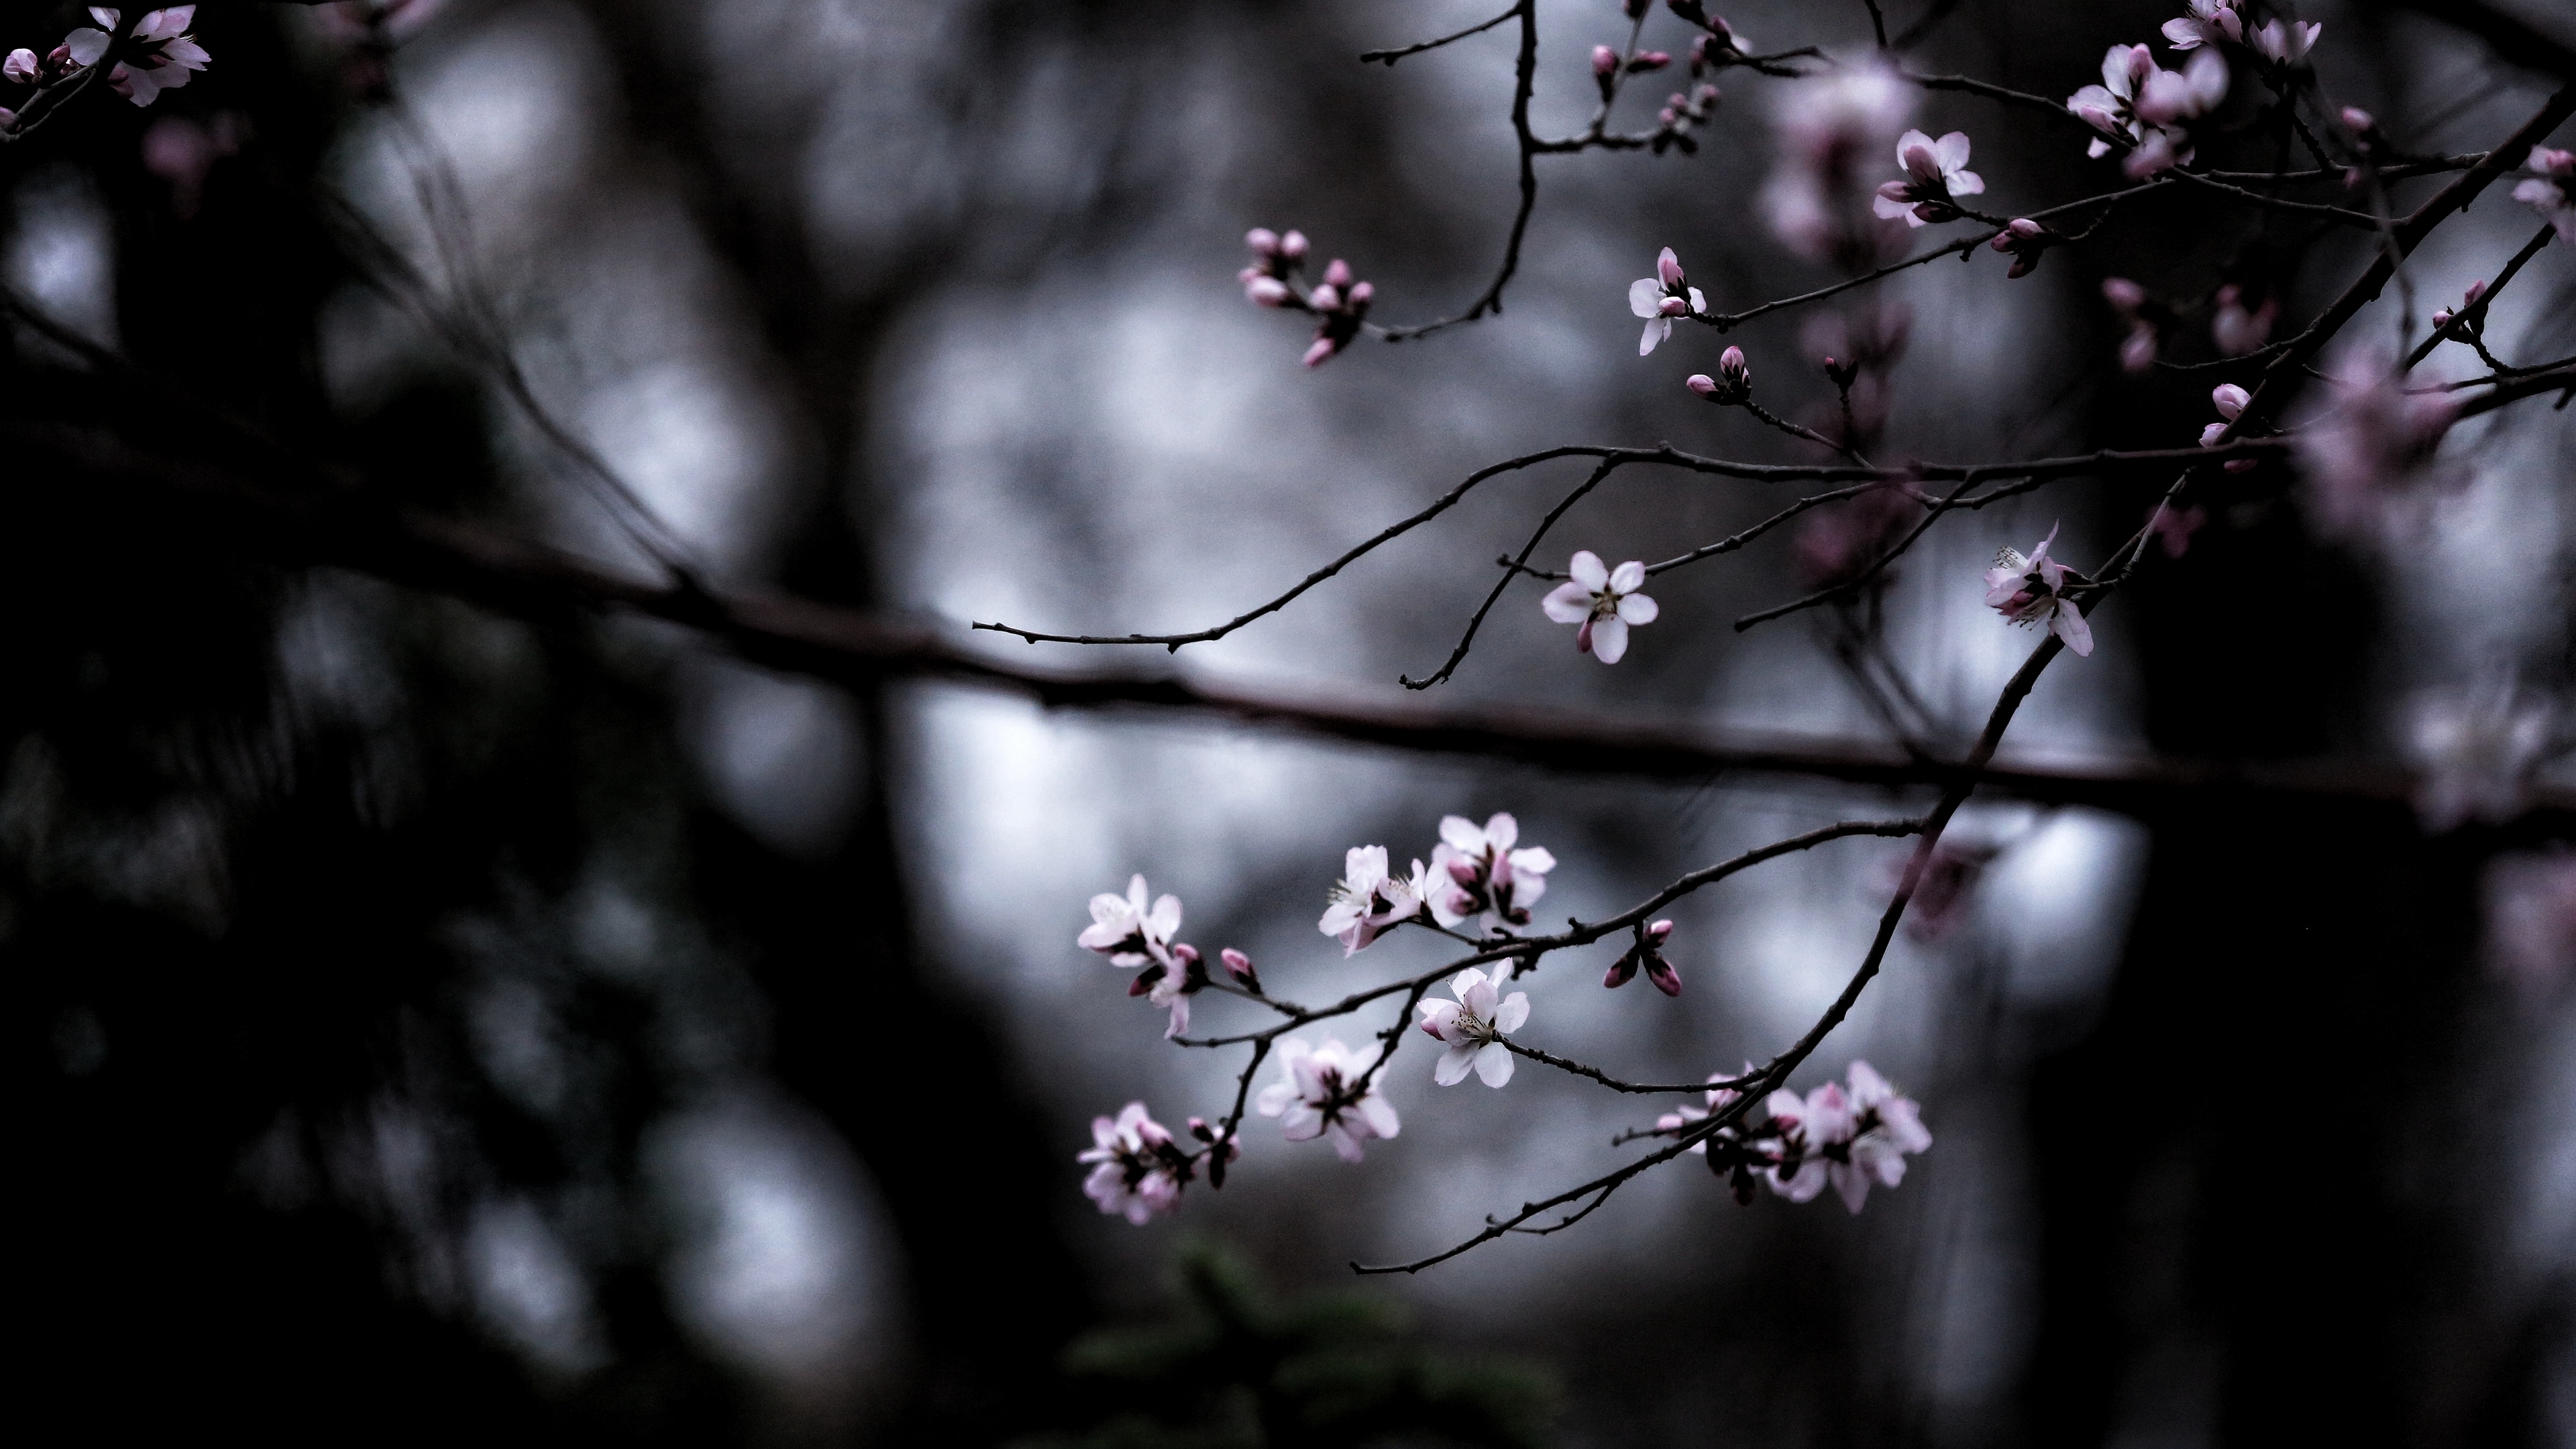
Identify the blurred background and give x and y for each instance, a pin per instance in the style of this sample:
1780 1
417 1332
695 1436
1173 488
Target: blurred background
433 1016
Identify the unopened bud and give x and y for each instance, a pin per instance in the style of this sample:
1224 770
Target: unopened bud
1648 61
1361 294
2358 121
1239 966
1701 383
1321 353
1668 268
2124 294
2476 290
1326 298
2230 400
1293 246
1668 117
1267 292
1338 274
1200 1129
1673 307
1732 366
1619 972
2441 318
1661 973
1659 932
1605 61
20 66
1263 241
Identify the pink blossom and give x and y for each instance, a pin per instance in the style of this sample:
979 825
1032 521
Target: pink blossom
2166 97
2025 241
20 66
1603 603
1127 931
1367 902
2286 43
1935 172
2236 329
1477 871
1472 1028
2370 454
1849 1140
2111 107
1605 62
2531 920
1171 986
1719 1098
1661 298
1140 1169
2230 400
2549 192
1323 1091
2475 752
2209 22
1827 128
2442 316
2030 591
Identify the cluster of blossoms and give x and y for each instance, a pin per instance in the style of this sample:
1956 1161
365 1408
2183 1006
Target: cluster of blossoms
1475 871
2370 454
2032 590
1339 303
2551 190
1601 602
158 55
1852 1140
2143 108
1328 1091
1138 1170
1132 934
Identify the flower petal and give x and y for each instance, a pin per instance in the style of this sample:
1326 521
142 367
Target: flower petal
1494 1065
1610 639
1588 570
1638 609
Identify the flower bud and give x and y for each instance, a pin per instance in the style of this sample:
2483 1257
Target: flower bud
1267 292
1293 246
1619 972
2210 435
1668 268
1701 383
2229 399
20 66
1338 274
1648 61
1661 973
1732 366
1326 298
1659 932
2124 294
1673 307
2476 290
2358 121
1200 1129
1605 62
1263 241
1239 966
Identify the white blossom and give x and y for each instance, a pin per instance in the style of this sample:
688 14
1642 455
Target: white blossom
2208 22
1849 1141
1471 1027
1367 901
2030 591
1935 172
1130 933
1662 297
1603 603
1139 1169
1477 871
1322 1092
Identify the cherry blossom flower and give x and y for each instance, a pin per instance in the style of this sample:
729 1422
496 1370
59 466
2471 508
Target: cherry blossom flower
2030 590
1648 954
163 56
1140 1170
2442 316
1171 986
1719 1098
1472 1028
2111 107
1477 871
2209 22
2370 454
20 66
1935 172
2165 100
1127 931
1602 603
2531 920
2025 241
2474 753
1827 128
2237 329
1848 1140
1366 901
2549 191
1661 298
1323 1091
2286 43
2230 400
2145 317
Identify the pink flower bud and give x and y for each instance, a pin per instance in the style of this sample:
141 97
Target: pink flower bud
1239 966
20 66
2210 435
1362 294
1321 353
1701 383
1326 298
1673 307
1659 932
2357 120
1263 241
1668 268
1661 972
1732 366
2024 227
1668 117
2442 318
2124 294
2476 290
1293 246
1605 61
1650 60
1267 292
1200 1129
2229 399
2549 161
1338 274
